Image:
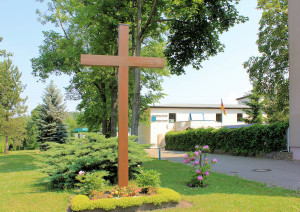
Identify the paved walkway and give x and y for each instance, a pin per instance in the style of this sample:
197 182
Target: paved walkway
281 173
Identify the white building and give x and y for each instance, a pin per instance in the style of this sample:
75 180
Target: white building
177 117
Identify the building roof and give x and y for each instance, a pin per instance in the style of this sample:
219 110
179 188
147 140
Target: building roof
200 106
243 97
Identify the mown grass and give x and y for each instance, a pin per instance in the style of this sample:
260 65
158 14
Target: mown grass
223 192
20 190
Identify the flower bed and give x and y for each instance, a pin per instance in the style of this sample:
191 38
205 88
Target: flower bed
164 198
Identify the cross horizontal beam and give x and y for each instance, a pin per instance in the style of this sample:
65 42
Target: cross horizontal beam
115 61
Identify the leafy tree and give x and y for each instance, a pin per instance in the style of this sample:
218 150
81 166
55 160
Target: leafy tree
255 105
30 142
72 122
192 28
12 106
270 70
51 116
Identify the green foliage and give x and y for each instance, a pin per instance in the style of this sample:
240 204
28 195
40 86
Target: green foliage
80 202
148 178
244 140
51 116
192 27
255 105
62 162
2 144
91 181
195 27
270 70
72 122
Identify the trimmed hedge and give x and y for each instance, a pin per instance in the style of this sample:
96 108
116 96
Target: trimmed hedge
244 140
81 202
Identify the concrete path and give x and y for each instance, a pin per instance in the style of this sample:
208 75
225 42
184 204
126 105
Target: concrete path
273 172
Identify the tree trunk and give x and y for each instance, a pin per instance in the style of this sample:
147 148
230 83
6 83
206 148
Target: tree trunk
114 109
6 134
105 128
137 77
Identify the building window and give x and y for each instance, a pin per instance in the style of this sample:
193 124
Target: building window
239 117
172 117
219 117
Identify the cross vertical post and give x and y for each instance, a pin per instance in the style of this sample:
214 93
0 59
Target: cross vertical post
123 107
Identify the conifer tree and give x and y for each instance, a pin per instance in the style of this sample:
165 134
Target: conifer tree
255 108
51 115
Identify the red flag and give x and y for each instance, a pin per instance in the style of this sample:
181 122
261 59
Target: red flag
222 107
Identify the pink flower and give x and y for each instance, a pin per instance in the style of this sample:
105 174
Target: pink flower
193 158
196 146
81 173
200 152
206 173
200 177
196 153
205 147
196 162
198 171
188 160
185 156
205 162
214 160
185 161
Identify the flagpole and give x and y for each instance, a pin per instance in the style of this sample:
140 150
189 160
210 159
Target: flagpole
221 118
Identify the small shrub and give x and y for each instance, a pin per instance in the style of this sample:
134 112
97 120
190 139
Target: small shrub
148 178
93 181
199 160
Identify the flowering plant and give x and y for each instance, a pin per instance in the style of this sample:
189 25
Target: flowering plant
125 191
199 160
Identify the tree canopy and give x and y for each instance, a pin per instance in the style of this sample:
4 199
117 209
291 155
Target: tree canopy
12 105
270 70
187 31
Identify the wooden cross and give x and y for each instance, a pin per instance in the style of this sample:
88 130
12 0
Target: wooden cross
123 61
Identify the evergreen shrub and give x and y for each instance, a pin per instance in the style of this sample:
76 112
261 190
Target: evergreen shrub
63 162
244 140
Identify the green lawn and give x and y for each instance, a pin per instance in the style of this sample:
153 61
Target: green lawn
225 193
21 192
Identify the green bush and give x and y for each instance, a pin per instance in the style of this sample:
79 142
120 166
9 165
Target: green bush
81 202
244 140
91 181
62 162
148 178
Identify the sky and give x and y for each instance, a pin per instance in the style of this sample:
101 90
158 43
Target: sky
222 76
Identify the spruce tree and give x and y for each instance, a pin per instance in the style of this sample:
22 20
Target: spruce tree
51 115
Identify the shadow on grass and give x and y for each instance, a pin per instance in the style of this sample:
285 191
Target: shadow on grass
17 163
176 176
